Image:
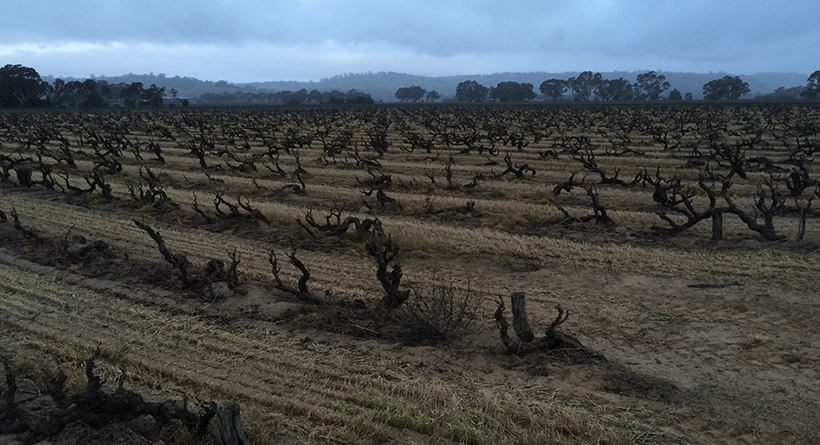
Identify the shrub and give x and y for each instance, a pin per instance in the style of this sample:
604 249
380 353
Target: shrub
437 315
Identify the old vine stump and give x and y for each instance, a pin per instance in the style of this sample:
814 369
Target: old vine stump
528 342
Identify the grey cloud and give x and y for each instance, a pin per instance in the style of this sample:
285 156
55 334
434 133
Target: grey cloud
561 35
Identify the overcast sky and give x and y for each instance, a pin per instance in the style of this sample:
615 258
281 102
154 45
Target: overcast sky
255 40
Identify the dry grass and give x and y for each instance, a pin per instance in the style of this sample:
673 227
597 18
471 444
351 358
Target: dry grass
289 384
332 393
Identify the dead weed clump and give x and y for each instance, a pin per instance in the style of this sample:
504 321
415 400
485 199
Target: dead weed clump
438 314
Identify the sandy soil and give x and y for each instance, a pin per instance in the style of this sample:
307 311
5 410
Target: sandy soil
687 340
728 360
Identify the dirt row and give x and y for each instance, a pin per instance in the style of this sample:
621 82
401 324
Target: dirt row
704 342
700 350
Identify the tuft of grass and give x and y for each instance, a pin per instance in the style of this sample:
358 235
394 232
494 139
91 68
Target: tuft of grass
422 243
540 196
255 429
23 365
179 433
361 236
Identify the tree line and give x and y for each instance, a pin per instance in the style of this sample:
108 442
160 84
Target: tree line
22 87
301 97
587 86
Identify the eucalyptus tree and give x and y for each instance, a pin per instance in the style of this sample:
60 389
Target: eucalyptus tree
727 88
650 86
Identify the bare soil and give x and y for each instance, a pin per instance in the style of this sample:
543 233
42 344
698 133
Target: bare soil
723 361
690 339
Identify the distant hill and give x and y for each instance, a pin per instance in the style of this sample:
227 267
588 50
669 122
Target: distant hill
759 84
382 86
186 86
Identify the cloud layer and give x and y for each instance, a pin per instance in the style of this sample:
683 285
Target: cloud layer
309 39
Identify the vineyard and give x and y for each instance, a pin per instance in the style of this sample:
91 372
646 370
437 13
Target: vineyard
340 274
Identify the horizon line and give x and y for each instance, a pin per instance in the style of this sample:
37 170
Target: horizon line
322 79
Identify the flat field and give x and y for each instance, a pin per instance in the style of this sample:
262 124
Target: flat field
683 240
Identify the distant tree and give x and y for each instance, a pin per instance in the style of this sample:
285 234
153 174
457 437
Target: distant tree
76 94
553 88
185 102
688 96
64 95
410 94
291 98
601 90
650 86
597 82
334 97
471 91
727 88
131 94
91 96
153 96
618 89
21 86
315 96
812 90
782 94
417 93
512 92
174 94
583 85
433 96
675 95
115 92
403 94
105 90
358 97
301 95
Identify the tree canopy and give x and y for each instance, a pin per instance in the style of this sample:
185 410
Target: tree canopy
583 85
812 90
135 95
618 89
471 91
727 88
410 94
21 86
512 92
650 86
76 94
553 88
